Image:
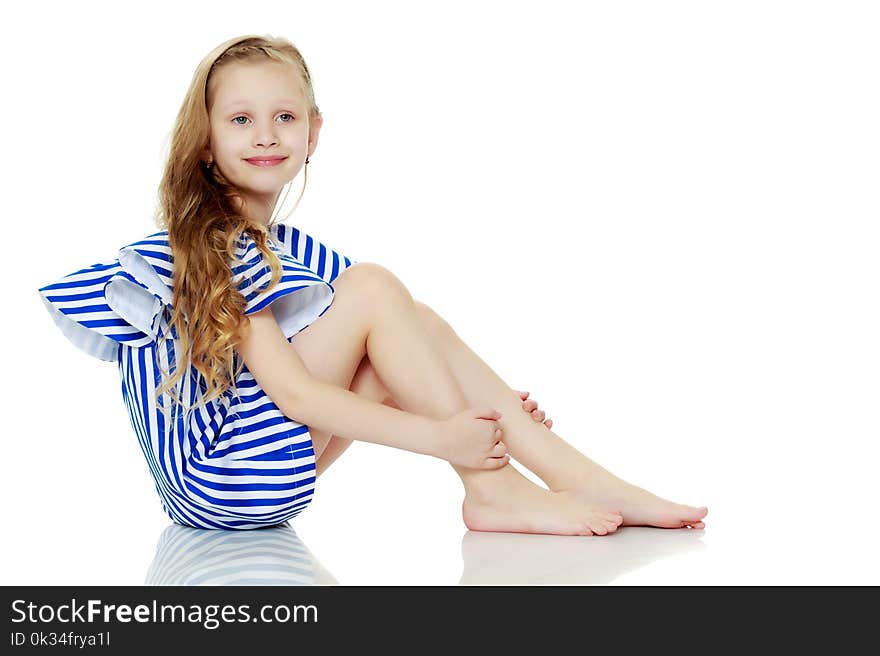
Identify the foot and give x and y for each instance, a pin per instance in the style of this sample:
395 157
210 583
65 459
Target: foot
520 506
638 506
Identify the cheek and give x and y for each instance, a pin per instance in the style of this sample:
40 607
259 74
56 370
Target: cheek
226 142
298 134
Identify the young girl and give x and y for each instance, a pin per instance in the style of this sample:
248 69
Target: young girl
293 350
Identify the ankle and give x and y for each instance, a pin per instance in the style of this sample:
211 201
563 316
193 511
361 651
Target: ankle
485 487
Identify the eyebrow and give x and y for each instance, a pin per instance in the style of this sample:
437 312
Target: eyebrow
236 103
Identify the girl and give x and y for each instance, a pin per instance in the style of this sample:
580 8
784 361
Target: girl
292 350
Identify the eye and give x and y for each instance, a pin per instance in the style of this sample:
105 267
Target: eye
235 119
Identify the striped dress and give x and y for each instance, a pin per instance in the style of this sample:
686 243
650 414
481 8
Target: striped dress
237 462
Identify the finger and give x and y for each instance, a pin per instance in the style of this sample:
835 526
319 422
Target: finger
549 423
538 415
528 406
523 395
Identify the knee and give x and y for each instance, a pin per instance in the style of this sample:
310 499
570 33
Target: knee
372 281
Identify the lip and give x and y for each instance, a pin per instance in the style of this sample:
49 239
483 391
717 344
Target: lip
265 161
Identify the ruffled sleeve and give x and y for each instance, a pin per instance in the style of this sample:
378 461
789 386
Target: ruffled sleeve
128 300
296 301
101 307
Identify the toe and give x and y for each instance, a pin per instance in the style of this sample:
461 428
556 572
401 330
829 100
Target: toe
691 514
688 523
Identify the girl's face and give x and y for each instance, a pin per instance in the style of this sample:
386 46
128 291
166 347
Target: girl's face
258 110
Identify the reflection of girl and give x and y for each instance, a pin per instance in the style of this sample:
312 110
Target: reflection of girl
294 350
270 556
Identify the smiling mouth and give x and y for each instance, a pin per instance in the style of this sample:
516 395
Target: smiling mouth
265 161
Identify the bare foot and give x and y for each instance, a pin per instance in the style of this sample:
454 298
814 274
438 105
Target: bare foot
638 506
520 506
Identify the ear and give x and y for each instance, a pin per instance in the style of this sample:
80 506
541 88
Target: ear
315 123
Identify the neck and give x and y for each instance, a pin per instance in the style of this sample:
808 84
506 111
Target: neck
259 210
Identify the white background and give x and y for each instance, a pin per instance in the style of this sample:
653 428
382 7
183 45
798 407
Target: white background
657 217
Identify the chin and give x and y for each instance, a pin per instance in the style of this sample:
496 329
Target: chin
268 191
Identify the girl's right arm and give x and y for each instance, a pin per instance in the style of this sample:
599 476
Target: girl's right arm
280 371
470 438
342 412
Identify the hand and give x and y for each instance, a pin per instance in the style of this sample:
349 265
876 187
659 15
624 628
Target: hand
471 438
532 408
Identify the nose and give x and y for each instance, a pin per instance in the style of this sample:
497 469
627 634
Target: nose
265 143
265 138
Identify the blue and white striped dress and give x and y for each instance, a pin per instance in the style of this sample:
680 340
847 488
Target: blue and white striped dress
237 462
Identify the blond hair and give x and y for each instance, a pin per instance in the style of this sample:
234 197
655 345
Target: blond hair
202 213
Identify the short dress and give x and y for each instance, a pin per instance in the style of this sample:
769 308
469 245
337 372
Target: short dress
236 462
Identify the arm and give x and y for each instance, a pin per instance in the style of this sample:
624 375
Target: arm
342 412
280 371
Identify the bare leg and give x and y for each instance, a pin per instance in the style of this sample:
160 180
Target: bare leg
537 447
559 464
374 315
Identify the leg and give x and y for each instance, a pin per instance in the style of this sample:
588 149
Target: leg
367 384
373 315
537 447
559 464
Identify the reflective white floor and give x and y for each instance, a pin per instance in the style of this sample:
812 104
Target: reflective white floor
384 538
179 555
277 556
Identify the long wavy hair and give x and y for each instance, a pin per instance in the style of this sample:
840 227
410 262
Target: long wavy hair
201 211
